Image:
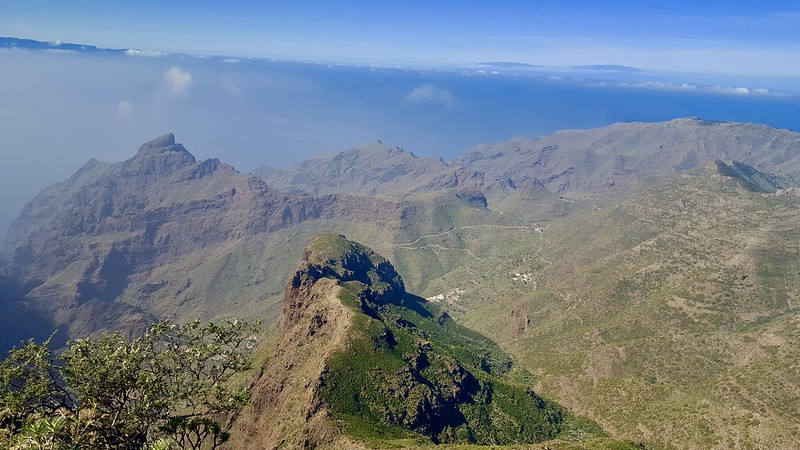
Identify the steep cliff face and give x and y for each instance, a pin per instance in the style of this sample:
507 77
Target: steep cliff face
286 409
158 205
113 244
360 361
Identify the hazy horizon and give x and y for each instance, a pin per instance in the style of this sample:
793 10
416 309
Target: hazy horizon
729 38
62 108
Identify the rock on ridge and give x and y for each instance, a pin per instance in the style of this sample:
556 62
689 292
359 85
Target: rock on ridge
158 158
162 144
333 256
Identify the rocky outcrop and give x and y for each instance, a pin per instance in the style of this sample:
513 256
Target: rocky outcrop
286 410
330 256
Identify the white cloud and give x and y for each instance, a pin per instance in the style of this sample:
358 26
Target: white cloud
428 93
178 80
688 87
656 85
230 60
145 53
230 86
728 90
124 108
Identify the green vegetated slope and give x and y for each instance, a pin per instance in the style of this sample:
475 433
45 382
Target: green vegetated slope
414 368
671 317
403 374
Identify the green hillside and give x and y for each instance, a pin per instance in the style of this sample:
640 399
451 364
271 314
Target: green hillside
410 370
670 317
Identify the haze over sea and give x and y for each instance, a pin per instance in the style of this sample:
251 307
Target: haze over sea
62 108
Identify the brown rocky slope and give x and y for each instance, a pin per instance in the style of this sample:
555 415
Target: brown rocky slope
121 244
164 236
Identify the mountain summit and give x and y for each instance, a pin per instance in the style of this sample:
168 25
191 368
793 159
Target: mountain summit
162 144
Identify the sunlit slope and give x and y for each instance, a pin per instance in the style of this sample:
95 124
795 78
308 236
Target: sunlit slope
672 317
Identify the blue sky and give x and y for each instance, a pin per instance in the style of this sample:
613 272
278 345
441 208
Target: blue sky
733 37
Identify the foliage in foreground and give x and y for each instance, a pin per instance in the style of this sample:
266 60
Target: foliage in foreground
171 388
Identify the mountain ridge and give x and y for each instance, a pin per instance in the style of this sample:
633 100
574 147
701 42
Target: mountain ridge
90 239
540 178
120 244
371 170
587 160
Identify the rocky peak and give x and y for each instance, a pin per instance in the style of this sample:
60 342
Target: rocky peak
162 144
333 256
159 157
400 361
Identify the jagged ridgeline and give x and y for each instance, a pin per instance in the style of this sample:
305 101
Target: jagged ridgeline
396 368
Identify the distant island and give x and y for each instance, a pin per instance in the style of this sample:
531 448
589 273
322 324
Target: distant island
609 67
30 44
597 67
12 43
507 64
